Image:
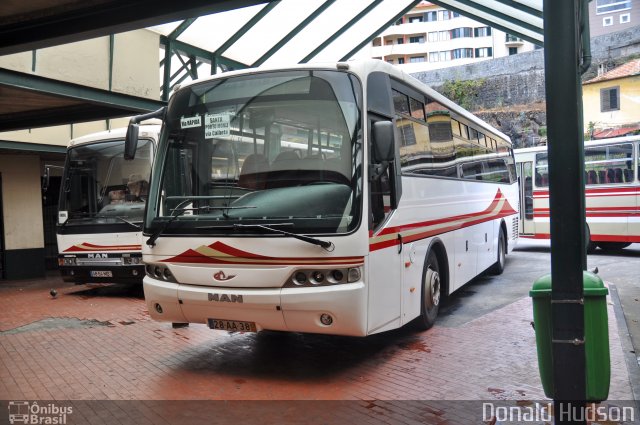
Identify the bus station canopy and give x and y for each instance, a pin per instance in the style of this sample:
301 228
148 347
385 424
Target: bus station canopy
227 34
271 29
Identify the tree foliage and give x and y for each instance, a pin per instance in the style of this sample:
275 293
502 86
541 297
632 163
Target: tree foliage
462 91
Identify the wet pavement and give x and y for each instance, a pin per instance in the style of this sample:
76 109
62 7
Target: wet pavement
98 343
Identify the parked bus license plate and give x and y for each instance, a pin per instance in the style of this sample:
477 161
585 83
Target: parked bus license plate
232 325
101 273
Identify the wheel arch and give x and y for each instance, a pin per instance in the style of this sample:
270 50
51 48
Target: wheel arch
503 228
437 246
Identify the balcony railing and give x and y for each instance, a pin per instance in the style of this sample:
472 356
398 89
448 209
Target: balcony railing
513 40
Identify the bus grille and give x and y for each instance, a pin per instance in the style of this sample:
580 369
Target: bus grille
514 228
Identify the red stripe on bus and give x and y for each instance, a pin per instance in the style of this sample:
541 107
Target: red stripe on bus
595 238
404 227
85 246
230 256
538 214
609 191
506 210
536 236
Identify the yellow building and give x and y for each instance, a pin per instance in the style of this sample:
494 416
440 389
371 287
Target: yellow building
612 101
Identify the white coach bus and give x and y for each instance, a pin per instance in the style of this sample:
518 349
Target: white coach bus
612 192
102 202
340 199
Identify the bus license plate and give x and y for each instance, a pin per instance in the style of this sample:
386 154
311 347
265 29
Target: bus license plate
232 325
101 273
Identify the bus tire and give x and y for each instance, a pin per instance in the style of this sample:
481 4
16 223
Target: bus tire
431 292
591 246
498 267
613 246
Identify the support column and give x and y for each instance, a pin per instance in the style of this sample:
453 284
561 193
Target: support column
566 202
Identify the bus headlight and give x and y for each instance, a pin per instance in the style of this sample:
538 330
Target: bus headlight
66 261
131 260
354 274
160 272
317 277
309 278
300 278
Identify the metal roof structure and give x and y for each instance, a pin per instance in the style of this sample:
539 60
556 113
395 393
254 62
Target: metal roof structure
314 30
30 101
201 36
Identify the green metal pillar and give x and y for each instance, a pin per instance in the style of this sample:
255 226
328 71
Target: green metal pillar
166 80
566 202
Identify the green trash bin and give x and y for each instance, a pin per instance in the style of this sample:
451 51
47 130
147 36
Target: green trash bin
596 335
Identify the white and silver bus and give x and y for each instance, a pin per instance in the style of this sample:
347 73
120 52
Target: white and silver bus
612 192
102 202
340 199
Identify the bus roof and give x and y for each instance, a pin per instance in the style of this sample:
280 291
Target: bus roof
587 143
363 67
148 129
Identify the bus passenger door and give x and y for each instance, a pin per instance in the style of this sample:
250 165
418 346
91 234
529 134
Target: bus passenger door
525 180
385 262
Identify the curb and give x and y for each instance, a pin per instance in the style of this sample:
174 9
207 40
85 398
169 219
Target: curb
632 359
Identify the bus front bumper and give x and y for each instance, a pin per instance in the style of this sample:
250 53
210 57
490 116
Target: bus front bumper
102 274
337 309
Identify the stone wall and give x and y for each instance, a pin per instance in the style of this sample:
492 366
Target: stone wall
512 94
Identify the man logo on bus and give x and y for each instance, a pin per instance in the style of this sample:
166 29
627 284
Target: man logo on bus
221 277
224 298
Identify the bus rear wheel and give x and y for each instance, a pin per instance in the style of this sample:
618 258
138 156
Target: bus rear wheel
498 267
591 245
612 246
431 292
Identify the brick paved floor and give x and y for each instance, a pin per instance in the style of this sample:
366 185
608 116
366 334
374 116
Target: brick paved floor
98 343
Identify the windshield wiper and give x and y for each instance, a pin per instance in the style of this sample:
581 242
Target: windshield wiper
328 245
124 220
177 212
207 208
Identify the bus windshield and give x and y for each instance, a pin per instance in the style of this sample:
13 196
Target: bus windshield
277 148
99 186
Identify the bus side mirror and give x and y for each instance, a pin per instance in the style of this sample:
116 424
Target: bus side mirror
131 141
383 141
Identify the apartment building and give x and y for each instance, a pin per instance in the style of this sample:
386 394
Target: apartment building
431 37
607 16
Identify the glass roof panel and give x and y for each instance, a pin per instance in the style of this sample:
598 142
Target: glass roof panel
319 30
271 29
210 32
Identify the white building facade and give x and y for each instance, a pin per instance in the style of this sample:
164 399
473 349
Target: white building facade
607 16
431 37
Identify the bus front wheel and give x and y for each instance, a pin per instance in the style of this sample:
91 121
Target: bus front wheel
431 292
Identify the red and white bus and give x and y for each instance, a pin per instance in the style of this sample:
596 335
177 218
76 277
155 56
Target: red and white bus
102 202
612 192
340 199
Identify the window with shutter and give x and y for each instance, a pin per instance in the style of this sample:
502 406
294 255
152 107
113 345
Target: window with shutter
610 99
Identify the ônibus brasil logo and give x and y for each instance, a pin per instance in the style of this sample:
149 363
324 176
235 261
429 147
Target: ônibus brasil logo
221 277
25 412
